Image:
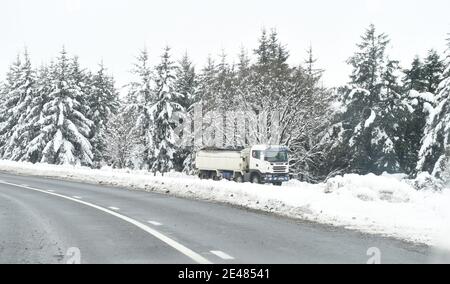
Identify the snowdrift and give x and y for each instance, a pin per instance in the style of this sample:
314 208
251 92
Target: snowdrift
388 205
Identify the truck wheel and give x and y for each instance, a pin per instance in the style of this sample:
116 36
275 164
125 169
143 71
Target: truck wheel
256 179
214 176
239 179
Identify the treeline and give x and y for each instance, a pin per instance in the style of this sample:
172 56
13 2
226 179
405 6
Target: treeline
392 119
387 119
56 114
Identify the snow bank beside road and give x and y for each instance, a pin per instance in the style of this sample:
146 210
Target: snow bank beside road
384 205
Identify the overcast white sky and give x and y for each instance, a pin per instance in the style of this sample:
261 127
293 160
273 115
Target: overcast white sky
115 30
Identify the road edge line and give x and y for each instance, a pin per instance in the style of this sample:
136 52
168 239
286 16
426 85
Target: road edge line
172 243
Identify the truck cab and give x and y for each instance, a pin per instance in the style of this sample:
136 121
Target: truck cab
268 164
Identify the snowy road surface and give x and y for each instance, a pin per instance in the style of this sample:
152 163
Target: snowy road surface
41 219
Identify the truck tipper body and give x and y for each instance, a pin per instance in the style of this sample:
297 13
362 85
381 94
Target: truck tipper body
257 164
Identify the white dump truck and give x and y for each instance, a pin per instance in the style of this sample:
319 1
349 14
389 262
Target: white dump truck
256 164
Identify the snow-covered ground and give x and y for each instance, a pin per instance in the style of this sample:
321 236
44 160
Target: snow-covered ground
387 205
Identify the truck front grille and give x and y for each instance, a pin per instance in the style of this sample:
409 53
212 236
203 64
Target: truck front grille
279 169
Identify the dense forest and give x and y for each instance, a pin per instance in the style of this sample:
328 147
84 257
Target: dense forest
388 118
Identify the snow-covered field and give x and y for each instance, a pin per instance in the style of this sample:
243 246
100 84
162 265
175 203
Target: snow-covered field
387 205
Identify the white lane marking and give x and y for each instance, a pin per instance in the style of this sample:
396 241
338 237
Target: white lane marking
222 255
174 244
114 208
49 190
24 185
154 223
77 197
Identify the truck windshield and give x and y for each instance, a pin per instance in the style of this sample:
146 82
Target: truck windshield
276 156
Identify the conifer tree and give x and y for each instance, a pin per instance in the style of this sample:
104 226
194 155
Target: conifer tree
139 102
21 97
433 71
435 151
65 129
207 82
103 104
372 104
414 77
187 86
33 151
11 98
162 113
186 83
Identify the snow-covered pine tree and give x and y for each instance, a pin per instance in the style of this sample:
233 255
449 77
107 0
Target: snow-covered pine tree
422 82
435 151
269 85
432 71
243 77
206 87
271 69
33 151
103 104
162 113
310 63
223 84
419 80
424 76
3 92
420 106
225 103
414 77
369 134
65 129
139 101
19 133
140 90
186 85
368 61
395 115
207 97
242 88
243 65
11 97
260 77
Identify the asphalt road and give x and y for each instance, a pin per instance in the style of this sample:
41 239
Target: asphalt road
50 221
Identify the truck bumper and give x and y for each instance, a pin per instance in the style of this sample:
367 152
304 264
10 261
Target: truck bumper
270 178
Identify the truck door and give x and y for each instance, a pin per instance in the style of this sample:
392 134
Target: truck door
255 160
